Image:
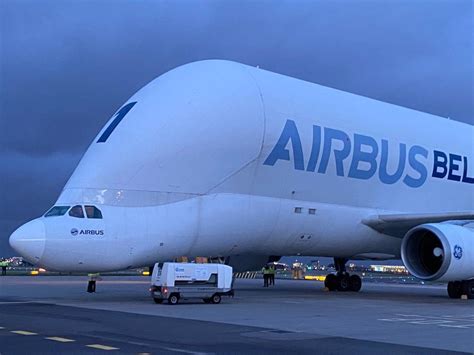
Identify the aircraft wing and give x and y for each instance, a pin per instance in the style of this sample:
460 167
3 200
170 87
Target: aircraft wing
397 225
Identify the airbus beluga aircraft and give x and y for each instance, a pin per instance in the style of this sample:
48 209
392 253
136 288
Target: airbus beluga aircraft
216 158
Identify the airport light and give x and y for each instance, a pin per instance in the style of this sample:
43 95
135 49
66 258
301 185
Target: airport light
317 277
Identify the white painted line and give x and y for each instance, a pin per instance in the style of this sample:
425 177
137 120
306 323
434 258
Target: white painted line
19 302
434 317
2 327
61 340
431 322
401 319
101 347
23 332
461 326
185 351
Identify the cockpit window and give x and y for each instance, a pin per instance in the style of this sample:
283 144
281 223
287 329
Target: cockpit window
93 212
76 211
57 211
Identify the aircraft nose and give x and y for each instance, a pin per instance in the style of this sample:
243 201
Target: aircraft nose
29 240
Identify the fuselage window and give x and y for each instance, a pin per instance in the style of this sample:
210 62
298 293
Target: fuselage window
57 211
76 211
93 212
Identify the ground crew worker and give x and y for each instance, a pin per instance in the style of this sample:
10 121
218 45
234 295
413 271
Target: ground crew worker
272 275
266 275
4 265
92 282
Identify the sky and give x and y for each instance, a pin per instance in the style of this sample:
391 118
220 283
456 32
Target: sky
67 66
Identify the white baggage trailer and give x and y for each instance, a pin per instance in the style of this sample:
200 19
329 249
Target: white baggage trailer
176 281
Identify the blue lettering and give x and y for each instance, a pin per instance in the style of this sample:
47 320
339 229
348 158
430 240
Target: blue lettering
365 157
440 162
465 178
339 155
279 152
384 176
454 167
417 166
313 159
364 164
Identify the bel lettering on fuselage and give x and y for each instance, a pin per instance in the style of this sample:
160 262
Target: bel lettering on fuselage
371 153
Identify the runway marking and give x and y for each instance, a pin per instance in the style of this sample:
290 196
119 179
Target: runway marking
19 302
184 351
61 340
23 332
2 327
464 326
447 321
101 347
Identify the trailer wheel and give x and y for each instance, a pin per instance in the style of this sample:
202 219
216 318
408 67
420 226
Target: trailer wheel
173 299
216 298
158 300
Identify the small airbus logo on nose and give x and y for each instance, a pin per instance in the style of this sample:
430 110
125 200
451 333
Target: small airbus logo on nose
74 231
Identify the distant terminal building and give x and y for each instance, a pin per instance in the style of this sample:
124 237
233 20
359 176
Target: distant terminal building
391 269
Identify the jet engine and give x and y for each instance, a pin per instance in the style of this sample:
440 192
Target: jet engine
439 251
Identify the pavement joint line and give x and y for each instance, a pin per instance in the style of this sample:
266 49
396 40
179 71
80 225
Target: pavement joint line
101 347
61 340
23 332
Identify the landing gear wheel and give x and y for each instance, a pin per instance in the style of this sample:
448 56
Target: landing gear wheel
342 280
454 289
158 300
216 299
331 282
343 283
173 299
355 283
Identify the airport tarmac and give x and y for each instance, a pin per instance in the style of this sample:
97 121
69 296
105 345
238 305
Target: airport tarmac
55 314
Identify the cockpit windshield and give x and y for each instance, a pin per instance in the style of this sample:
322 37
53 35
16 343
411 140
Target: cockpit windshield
93 212
57 211
77 211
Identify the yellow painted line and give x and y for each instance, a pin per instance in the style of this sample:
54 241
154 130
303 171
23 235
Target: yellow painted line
61 340
101 347
23 332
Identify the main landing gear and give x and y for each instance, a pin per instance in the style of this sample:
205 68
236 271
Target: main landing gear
342 280
456 289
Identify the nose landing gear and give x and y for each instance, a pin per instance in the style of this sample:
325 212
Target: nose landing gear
342 280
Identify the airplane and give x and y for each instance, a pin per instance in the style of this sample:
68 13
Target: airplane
217 158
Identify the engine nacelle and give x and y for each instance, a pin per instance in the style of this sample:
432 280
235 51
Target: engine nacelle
439 251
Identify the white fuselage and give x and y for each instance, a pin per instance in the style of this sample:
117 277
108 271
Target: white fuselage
217 158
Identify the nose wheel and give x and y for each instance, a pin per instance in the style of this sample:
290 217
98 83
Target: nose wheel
342 280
